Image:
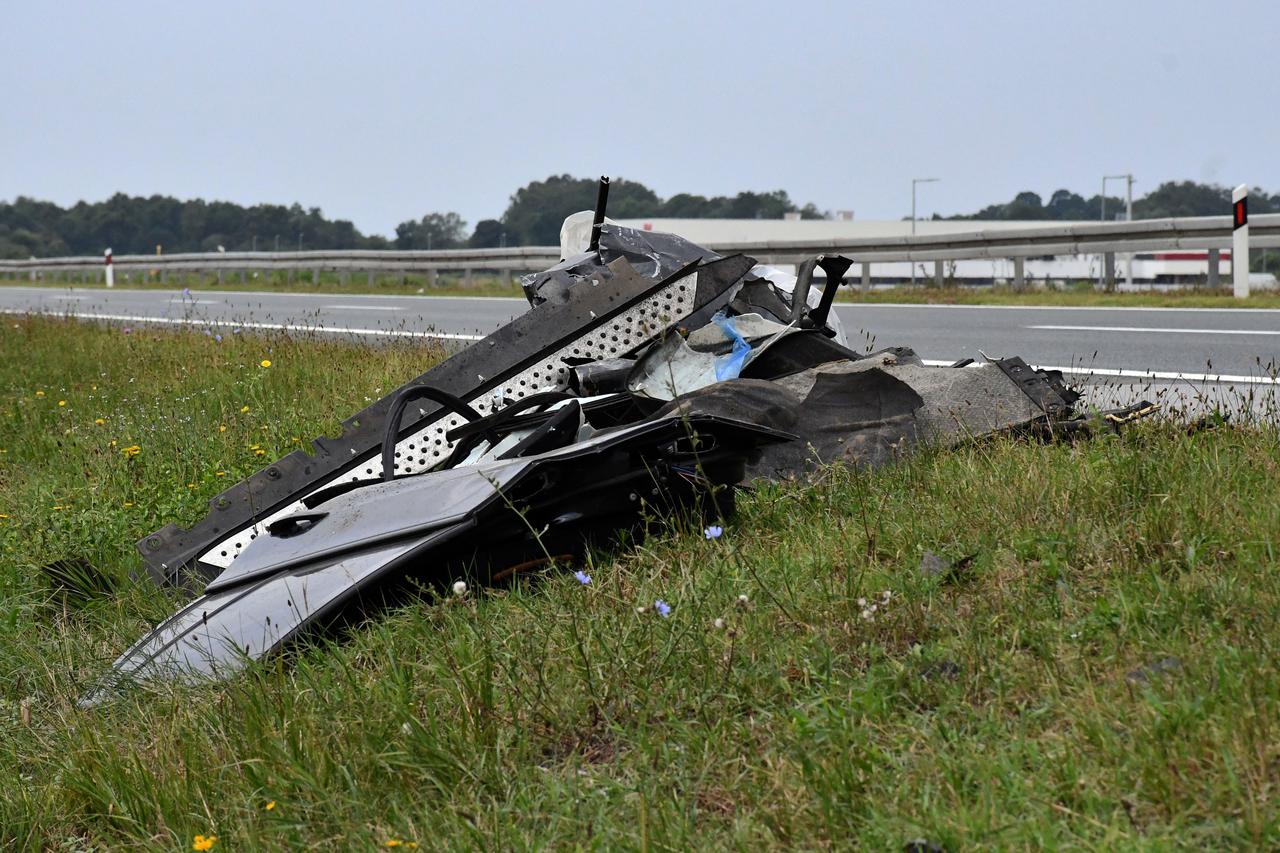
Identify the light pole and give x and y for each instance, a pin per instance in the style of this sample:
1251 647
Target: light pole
915 181
1128 217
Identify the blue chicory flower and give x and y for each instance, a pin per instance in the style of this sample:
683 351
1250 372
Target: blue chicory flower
664 609
583 577
713 532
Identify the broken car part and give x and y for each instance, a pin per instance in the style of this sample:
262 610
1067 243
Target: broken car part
648 376
352 553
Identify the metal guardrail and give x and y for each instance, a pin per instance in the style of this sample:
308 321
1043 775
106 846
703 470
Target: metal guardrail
1194 232
1200 232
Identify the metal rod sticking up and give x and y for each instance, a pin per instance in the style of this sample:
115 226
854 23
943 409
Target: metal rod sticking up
602 201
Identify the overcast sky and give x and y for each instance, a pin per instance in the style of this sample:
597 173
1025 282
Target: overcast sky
381 112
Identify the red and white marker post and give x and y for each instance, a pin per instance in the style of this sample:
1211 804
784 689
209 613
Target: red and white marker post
1240 241
111 273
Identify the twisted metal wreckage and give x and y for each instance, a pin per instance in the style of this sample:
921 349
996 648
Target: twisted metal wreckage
650 375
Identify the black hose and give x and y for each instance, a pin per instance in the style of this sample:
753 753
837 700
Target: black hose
404 398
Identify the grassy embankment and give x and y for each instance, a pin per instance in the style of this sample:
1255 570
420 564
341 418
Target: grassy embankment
1102 674
1082 294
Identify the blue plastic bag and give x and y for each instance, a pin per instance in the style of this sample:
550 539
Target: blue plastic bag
730 365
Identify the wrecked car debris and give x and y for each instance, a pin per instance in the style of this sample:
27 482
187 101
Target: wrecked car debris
649 377
352 552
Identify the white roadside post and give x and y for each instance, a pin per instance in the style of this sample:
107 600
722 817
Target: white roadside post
111 273
1240 241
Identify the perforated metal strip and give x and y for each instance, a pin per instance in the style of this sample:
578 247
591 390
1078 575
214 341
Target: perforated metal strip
424 448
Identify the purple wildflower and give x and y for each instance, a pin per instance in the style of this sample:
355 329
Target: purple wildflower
713 532
218 338
583 577
186 291
127 330
664 609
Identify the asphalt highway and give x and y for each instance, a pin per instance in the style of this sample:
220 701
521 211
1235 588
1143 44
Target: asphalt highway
1189 351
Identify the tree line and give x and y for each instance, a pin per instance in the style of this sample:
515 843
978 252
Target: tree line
138 225
1172 198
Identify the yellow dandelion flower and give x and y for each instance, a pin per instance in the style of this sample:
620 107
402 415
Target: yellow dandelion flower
3 516
394 842
219 473
99 421
128 503
222 428
39 393
191 485
266 362
244 410
271 805
131 451
204 842
59 506
62 402
259 452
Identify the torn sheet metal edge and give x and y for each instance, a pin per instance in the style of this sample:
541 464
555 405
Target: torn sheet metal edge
208 649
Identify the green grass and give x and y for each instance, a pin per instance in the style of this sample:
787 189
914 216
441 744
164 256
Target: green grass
1076 295
992 708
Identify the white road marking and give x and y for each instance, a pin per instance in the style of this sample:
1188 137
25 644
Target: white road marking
1163 330
236 324
1243 311
1124 373
364 307
1077 370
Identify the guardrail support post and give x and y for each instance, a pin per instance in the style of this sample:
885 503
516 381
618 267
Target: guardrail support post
1240 242
937 273
1215 258
866 276
371 278
433 277
1109 270
242 276
1019 274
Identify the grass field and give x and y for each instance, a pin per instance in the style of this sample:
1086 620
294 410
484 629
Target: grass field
1100 674
1079 295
